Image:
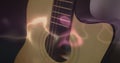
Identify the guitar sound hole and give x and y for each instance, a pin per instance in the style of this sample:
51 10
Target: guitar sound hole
57 52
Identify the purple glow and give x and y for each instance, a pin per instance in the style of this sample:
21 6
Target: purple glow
64 40
65 21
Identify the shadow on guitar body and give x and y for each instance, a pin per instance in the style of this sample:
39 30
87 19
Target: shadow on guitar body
12 28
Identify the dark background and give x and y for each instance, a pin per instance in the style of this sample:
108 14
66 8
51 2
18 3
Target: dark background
12 24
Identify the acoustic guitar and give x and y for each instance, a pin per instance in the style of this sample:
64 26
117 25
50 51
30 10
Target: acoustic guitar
58 31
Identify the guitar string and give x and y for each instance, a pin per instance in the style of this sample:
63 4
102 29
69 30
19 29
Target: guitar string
48 44
55 29
52 32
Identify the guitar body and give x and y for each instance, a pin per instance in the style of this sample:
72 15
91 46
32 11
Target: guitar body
95 38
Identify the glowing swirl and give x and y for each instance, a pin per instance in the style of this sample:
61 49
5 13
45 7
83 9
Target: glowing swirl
42 21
